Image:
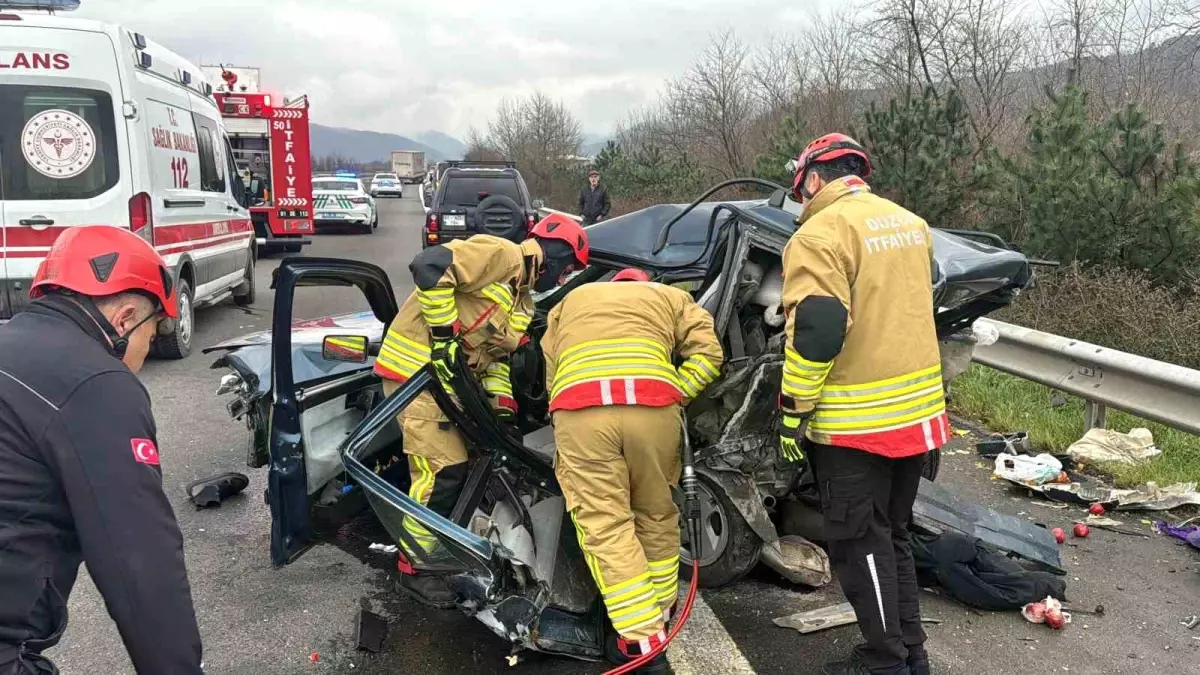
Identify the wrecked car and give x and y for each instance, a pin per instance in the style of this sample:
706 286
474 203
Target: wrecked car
316 415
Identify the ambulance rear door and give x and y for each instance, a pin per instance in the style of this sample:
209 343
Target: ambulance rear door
63 160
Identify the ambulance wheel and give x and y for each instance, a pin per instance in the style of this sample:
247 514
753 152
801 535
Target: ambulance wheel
243 295
731 548
178 344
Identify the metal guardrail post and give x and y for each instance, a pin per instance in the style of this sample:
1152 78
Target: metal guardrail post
1106 378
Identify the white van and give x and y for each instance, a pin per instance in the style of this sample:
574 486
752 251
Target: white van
98 125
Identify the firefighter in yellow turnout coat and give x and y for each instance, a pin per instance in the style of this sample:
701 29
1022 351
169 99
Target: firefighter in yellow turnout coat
863 375
615 396
471 295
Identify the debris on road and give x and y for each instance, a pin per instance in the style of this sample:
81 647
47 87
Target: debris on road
384 548
977 575
1048 611
1109 446
1085 491
213 490
1189 534
1105 523
1190 622
1028 471
1081 530
826 617
370 631
1059 535
1010 444
1096 510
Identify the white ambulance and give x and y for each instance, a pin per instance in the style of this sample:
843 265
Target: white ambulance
99 125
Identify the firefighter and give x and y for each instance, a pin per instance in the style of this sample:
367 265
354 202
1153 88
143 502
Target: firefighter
80 479
471 295
615 397
862 388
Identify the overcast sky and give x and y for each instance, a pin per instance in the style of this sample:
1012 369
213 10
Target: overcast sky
404 67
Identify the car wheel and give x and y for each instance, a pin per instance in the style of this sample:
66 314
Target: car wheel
731 548
178 344
243 295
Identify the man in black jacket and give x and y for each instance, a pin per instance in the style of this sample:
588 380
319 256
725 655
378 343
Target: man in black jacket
79 463
593 200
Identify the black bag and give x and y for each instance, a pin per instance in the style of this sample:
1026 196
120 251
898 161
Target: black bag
979 576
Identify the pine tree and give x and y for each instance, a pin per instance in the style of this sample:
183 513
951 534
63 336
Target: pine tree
786 145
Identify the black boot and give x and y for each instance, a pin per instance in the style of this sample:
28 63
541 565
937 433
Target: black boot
918 660
657 666
431 591
855 666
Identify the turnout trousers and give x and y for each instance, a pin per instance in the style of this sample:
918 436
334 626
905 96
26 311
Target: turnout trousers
437 467
616 466
867 502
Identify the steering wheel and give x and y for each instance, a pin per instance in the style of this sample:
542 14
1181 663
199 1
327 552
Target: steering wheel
500 216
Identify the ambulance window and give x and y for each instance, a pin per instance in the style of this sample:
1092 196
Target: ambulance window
212 167
56 143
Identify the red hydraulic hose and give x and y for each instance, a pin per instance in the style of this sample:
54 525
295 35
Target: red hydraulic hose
684 614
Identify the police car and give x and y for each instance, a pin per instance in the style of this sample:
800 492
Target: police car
100 125
341 199
386 184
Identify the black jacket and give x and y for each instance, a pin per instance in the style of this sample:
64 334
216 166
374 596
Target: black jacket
979 576
594 204
80 481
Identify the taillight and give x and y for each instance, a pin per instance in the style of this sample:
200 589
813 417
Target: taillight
141 216
532 222
431 223
359 200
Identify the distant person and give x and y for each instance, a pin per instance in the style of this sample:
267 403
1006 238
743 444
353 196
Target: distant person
593 200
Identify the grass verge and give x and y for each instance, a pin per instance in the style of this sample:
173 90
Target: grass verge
1007 403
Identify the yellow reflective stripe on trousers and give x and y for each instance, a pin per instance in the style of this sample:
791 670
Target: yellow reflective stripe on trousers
420 491
499 294
437 306
630 604
803 379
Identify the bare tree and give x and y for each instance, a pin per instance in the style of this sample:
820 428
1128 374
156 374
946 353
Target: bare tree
540 134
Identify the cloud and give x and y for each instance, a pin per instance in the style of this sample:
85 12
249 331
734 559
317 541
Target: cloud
404 67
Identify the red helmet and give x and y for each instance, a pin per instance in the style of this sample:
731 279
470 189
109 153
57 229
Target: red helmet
631 274
566 229
826 148
101 260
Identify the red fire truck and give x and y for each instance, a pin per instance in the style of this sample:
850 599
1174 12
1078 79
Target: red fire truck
269 138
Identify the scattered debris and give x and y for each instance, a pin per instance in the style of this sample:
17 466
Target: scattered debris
1096 509
1112 525
370 631
1011 444
1059 535
1106 445
213 490
977 575
384 548
1029 471
1098 611
1048 611
825 617
1081 530
314 657
1086 491
1190 622
1189 534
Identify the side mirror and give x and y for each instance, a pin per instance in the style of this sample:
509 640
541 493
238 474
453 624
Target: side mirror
778 198
348 348
539 204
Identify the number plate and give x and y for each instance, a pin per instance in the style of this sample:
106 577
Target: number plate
456 222
327 214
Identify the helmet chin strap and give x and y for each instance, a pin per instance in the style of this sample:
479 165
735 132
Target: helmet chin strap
118 344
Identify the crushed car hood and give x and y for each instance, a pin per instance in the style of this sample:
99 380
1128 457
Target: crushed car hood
969 268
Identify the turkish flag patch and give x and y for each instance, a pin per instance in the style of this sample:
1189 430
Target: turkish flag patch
144 451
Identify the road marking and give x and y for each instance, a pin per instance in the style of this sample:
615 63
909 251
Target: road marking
703 647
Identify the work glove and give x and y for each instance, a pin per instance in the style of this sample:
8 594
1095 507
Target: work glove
444 354
791 434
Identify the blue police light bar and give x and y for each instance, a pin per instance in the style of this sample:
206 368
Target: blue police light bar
346 174
51 5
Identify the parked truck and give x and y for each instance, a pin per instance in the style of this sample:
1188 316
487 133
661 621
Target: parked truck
269 139
409 165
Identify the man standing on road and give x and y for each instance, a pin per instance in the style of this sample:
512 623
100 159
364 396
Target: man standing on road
593 200
79 462
472 295
863 375
615 394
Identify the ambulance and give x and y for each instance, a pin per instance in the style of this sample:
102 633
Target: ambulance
101 126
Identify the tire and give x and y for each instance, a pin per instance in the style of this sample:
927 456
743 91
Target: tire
178 344
933 463
735 547
246 289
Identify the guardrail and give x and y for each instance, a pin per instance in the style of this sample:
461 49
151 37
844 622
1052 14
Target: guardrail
1104 378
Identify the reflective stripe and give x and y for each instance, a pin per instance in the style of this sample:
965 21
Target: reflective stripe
600 360
630 604
695 374
400 356
499 294
913 407
883 388
437 306
420 491
519 321
497 380
665 576
803 379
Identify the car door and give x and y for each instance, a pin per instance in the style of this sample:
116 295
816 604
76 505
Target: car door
318 396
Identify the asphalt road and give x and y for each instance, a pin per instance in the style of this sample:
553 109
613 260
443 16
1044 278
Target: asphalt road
261 620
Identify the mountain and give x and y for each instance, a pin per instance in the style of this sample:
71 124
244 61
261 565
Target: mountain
448 145
365 146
